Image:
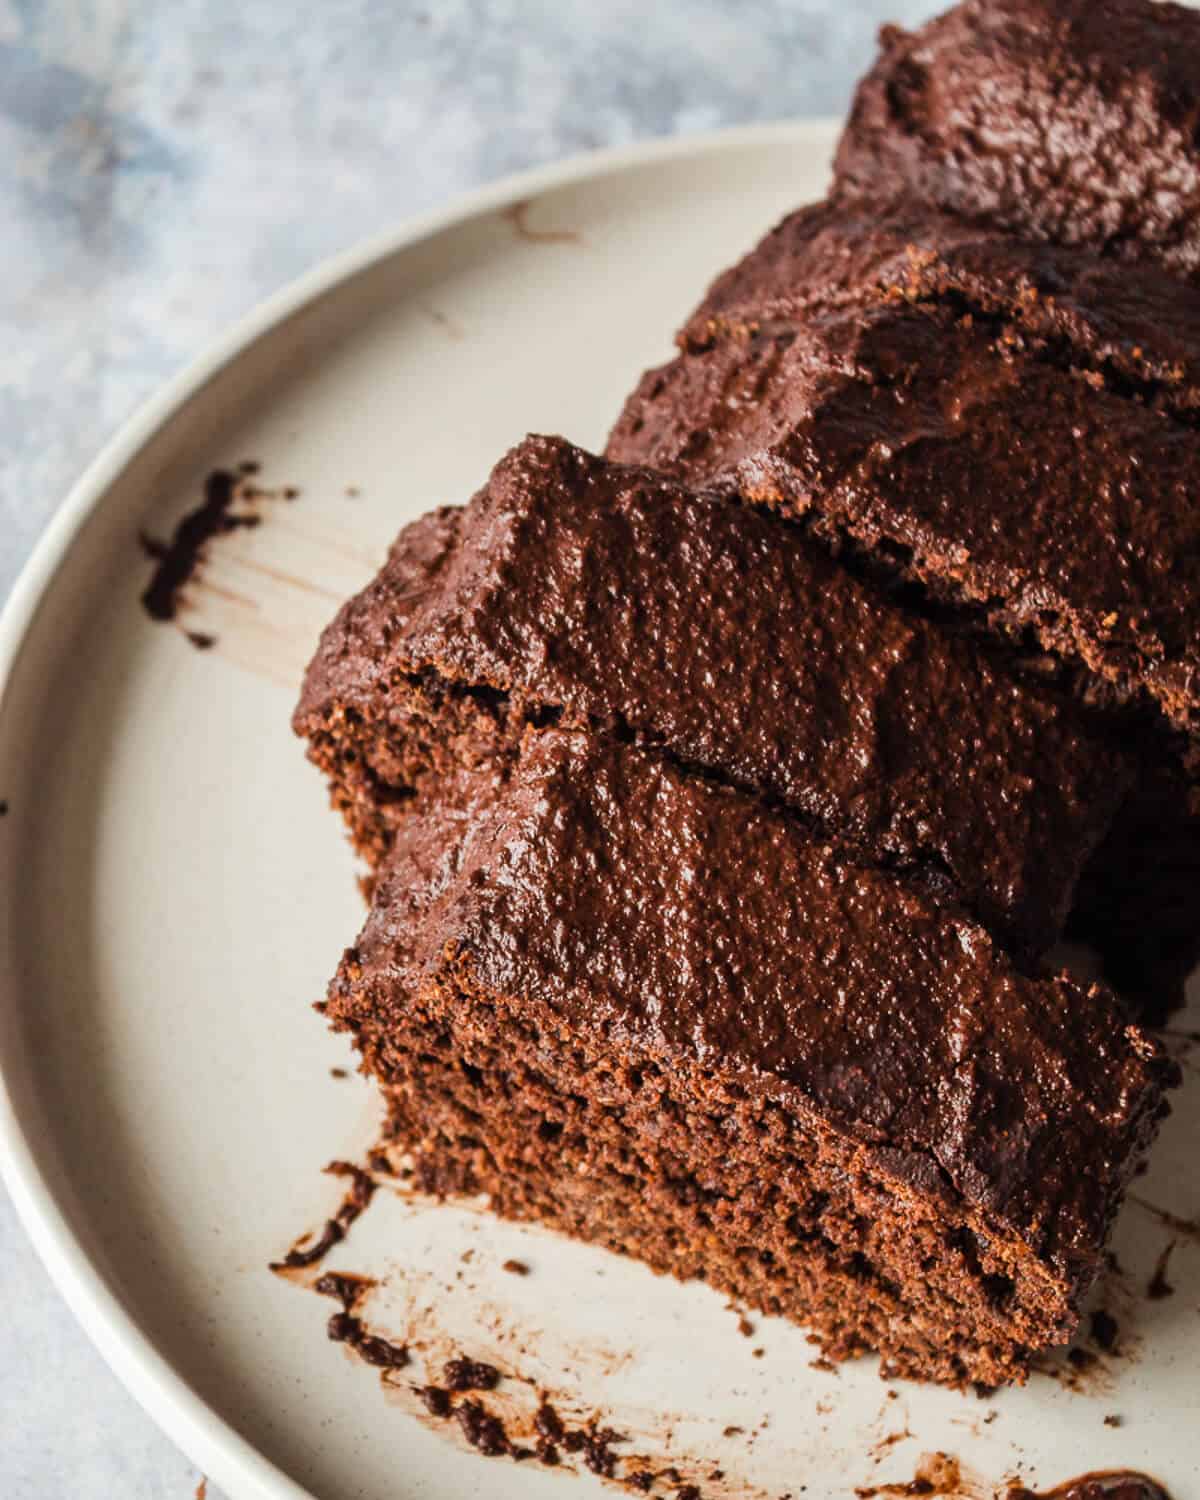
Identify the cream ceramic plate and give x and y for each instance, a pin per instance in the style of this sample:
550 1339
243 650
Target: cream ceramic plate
176 893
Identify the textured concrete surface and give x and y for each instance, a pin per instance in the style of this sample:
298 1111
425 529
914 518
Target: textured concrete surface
162 168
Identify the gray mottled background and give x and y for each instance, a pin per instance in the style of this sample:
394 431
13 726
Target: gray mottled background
165 165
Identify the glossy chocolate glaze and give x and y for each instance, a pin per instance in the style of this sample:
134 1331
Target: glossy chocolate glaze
969 459
611 598
1068 120
1135 321
681 920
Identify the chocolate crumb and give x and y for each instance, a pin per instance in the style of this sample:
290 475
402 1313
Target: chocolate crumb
356 1199
291 492
361 1191
596 1455
462 1374
201 639
3 809
331 1235
348 1289
178 559
482 1428
1112 1420
642 1481
745 1326
437 1401
757 1353
515 1268
573 1441
378 1162
688 1492
548 1424
546 1452
733 1432
345 1328
338 1073
937 1474
1159 1287
1104 1330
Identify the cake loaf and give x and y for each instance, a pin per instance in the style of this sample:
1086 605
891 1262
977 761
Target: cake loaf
1067 120
586 594
653 1013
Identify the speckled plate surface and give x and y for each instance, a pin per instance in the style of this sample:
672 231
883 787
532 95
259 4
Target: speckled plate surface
176 893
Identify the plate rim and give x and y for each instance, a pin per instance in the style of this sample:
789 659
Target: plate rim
218 1450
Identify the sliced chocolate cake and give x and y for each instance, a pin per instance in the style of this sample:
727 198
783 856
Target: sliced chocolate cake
654 1013
721 794
1067 120
1136 323
583 593
1045 496
1012 429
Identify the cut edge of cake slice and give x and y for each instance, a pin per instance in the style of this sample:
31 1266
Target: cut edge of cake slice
651 1013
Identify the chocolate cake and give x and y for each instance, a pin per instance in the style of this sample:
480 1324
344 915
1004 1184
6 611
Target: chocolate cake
721 794
1010 427
652 1012
587 594
1067 120
1043 496
1136 323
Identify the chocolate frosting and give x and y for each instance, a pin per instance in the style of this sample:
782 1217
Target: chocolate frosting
1073 121
613 598
689 922
1136 321
971 459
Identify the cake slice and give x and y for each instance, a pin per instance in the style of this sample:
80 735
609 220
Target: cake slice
997 471
1132 330
1019 481
579 592
1067 120
651 1012
1137 323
